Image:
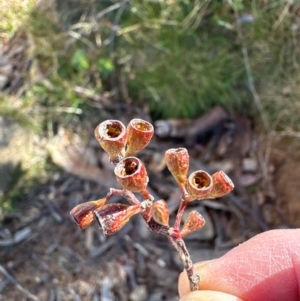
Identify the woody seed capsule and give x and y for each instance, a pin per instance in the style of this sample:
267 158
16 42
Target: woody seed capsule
177 160
132 175
112 217
160 212
199 185
139 134
112 136
83 213
194 222
222 185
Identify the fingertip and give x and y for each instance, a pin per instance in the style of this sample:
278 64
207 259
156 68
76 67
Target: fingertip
256 269
183 282
209 296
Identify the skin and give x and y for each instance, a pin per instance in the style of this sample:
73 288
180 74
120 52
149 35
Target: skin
266 267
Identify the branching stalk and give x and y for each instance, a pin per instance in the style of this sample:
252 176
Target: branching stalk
122 144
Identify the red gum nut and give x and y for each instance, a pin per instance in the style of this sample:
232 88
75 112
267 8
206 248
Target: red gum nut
132 175
222 185
194 222
139 134
83 213
177 160
160 212
112 217
112 136
199 185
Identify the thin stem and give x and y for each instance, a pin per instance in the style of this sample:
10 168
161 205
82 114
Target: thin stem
146 195
185 199
185 258
179 244
126 194
108 10
194 279
181 209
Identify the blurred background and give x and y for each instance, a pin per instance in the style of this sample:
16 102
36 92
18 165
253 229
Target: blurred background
219 77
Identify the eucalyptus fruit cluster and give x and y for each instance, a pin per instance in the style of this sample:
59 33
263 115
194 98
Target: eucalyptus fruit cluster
122 144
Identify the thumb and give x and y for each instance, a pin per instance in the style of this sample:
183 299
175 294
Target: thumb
267 267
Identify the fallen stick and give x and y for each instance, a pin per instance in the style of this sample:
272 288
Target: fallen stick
18 237
17 284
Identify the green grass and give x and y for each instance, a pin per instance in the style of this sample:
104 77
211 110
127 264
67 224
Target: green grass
182 61
183 57
12 14
179 57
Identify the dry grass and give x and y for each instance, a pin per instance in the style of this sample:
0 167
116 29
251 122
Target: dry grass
12 15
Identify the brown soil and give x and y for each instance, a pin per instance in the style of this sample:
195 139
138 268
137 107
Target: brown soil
58 261
285 156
